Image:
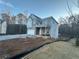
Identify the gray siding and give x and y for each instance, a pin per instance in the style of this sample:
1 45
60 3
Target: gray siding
54 29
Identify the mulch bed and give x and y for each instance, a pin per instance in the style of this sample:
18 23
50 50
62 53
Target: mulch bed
18 47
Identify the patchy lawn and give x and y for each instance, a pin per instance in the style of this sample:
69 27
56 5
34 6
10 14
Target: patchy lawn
56 50
13 47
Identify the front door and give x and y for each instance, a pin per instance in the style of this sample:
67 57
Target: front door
37 30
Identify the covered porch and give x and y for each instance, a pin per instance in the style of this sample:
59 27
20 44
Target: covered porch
42 31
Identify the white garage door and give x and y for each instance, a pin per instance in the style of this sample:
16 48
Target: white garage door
30 32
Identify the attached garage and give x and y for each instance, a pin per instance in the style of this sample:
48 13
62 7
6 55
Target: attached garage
30 31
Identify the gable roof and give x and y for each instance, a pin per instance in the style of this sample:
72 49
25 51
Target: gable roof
20 14
35 18
40 20
50 18
32 15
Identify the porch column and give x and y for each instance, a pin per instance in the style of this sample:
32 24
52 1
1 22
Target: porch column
40 32
45 30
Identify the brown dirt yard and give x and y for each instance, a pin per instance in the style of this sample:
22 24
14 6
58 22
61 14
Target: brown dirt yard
56 50
11 48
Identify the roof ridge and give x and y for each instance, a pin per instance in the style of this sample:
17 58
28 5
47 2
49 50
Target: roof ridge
52 18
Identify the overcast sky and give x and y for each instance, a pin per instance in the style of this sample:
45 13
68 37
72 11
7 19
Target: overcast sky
41 8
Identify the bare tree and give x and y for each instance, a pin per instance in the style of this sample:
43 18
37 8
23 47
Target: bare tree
64 20
6 15
74 22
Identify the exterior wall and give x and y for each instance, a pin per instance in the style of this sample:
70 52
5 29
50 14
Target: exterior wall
24 21
29 23
30 31
16 20
54 30
13 20
3 28
0 27
21 20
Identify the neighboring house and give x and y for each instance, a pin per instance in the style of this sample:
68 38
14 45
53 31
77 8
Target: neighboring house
21 19
3 26
43 27
18 21
6 17
13 20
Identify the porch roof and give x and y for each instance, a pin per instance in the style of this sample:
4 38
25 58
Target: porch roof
41 26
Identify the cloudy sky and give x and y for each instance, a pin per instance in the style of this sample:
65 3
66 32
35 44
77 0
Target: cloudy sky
41 8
